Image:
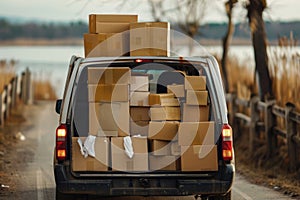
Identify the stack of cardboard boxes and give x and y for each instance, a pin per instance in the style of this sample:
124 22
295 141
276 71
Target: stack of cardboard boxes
196 133
123 35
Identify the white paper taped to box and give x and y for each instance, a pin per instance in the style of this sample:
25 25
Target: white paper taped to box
88 148
128 146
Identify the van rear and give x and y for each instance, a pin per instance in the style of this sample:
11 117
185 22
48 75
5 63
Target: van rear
147 126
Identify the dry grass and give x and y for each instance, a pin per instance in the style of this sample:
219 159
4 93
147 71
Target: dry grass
7 72
43 90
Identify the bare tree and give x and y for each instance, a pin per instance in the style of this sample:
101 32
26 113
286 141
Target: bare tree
255 10
227 40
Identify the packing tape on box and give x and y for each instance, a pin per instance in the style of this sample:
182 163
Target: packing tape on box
88 148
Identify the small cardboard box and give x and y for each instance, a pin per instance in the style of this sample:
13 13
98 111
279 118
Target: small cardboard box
94 18
109 119
139 128
177 90
192 113
196 97
199 158
139 98
150 39
163 100
106 44
195 82
140 113
163 130
121 162
160 148
99 163
175 149
108 75
108 92
168 163
164 113
196 133
139 83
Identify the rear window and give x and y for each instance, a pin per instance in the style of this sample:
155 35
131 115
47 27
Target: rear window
155 104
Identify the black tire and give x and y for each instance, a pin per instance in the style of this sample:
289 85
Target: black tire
225 197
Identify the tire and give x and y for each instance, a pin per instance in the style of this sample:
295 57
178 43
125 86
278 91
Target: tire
225 197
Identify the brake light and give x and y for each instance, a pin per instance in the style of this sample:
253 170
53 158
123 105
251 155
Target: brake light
61 142
143 60
227 143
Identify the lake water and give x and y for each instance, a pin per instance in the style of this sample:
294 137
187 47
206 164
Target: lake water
51 62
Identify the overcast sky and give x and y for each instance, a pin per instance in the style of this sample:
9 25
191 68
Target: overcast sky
70 10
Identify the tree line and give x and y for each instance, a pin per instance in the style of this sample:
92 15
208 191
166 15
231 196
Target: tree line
10 31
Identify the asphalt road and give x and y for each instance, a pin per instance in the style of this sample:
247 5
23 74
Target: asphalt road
34 174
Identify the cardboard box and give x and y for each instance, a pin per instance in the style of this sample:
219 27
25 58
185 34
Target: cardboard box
192 113
196 133
163 163
163 100
163 130
139 98
196 97
140 113
121 162
109 119
177 90
139 83
199 158
99 163
108 75
108 27
150 39
175 149
108 92
139 128
94 18
160 147
195 82
163 113
106 44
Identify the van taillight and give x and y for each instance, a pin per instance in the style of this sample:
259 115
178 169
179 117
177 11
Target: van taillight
227 143
61 142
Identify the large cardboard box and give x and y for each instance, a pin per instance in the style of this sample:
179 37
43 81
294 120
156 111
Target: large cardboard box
121 162
106 44
196 133
139 128
177 90
160 147
94 18
163 163
109 75
99 163
108 92
196 97
140 113
139 98
195 82
192 113
163 130
163 113
109 119
139 83
163 100
150 39
108 27
199 158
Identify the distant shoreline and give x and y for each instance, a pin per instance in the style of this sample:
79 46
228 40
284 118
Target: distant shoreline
79 42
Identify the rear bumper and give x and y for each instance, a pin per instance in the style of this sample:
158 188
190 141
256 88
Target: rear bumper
170 185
